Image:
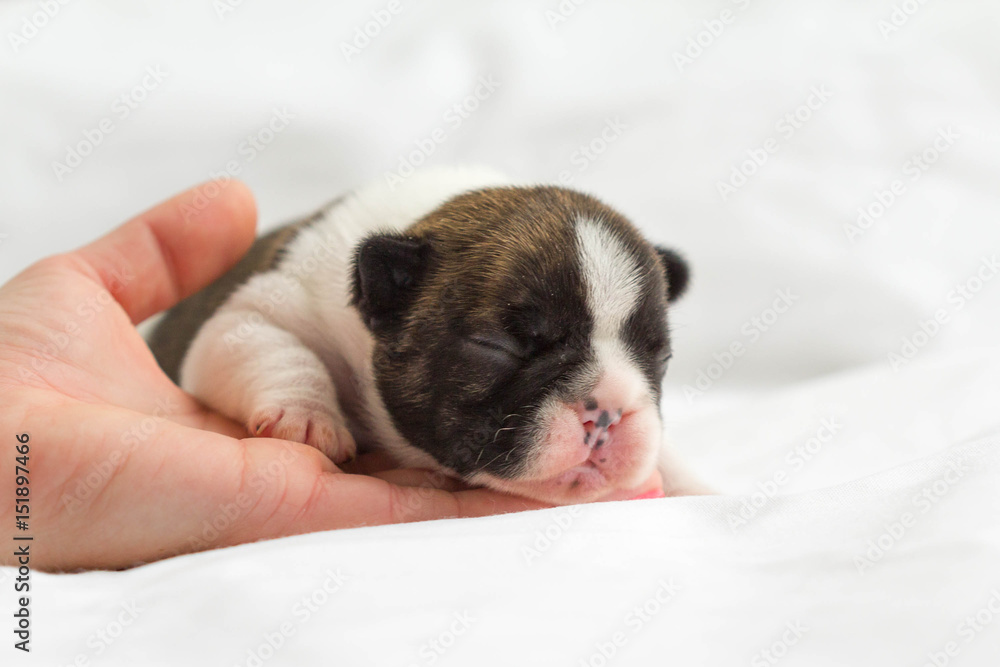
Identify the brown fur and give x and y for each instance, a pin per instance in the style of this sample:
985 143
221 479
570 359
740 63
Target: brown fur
525 233
503 262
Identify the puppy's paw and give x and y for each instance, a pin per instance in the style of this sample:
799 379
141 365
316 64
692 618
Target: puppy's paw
317 428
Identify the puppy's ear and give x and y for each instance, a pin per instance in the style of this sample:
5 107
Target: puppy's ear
387 269
677 271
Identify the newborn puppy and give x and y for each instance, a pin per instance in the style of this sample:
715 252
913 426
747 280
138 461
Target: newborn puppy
513 337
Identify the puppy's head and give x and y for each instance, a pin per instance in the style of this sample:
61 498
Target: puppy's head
521 340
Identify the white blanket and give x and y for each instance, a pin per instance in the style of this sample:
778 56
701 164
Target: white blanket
830 169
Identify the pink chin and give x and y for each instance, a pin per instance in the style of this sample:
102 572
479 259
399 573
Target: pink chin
578 486
567 471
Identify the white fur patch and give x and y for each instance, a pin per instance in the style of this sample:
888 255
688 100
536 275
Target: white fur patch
291 332
612 277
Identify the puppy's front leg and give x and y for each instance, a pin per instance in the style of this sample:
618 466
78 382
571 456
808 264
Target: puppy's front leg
263 376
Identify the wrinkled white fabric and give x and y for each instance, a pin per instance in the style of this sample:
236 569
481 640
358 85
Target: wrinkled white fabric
835 378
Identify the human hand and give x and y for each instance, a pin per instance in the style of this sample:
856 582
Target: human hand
127 468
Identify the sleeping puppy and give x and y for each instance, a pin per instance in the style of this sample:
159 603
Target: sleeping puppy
512 337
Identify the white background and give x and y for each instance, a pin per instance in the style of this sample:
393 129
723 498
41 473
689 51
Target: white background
563 76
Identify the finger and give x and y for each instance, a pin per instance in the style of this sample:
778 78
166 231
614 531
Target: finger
307 456
202 418
348 501
136 489
142 490
304 498
175 248
370 463
430 479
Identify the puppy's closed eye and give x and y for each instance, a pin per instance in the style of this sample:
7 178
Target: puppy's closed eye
496 348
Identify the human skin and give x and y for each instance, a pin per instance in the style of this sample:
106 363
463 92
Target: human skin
125 467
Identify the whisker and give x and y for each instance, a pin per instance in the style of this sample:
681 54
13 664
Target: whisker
509 428
487 465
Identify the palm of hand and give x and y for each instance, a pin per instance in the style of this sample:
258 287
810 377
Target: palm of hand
124 466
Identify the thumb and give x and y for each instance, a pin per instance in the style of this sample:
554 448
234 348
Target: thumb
174 249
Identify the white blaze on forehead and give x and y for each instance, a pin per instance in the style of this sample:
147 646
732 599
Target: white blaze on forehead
611 275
